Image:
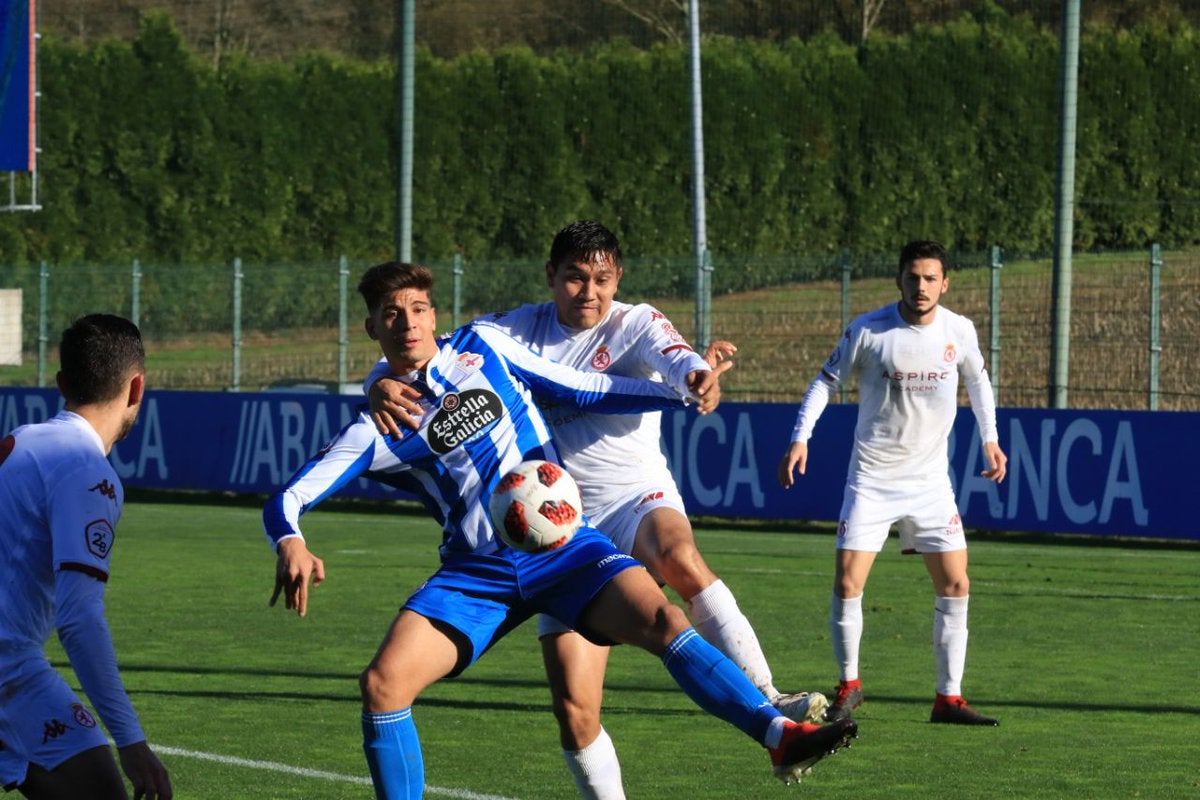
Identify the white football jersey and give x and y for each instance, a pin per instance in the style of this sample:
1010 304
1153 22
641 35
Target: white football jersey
60 500
607 453
908 377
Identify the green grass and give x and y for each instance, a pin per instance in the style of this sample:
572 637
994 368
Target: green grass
1087 651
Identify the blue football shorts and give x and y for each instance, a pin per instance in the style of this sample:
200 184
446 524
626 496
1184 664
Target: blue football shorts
486 596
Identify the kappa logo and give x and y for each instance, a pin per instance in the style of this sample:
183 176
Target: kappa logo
105 488
53 728
602 358
99 536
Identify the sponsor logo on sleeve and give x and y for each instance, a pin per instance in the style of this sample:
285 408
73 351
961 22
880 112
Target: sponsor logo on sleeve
99 536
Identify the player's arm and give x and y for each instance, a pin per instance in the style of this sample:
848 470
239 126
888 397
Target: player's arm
353 452
983 406
83 631
663 349
816 398
589 391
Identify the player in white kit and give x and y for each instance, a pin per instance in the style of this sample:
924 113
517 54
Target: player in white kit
60 501
908 357
627 488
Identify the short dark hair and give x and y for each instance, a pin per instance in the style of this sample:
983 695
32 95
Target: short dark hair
584 240
923 248
382 279
98 353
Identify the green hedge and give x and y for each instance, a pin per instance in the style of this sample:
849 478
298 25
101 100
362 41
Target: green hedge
811 147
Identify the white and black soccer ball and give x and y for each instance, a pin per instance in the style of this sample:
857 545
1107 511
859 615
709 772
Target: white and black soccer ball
536 507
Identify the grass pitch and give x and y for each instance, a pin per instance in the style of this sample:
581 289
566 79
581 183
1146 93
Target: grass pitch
1086 649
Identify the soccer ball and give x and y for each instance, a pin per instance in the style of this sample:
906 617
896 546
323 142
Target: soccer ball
536 507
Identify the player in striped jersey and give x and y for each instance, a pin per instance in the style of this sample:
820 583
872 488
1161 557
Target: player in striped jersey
60 500
627 487
908 357
479 422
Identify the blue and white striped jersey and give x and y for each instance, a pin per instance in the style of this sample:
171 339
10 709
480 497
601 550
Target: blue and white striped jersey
480 421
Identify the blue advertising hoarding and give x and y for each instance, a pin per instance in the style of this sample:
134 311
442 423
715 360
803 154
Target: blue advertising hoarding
1085 471
17 85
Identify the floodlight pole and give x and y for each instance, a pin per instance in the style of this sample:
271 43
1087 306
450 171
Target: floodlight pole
704 266
405 38
1064 210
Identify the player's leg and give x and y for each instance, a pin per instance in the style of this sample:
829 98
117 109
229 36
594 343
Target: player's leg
866 517
937 533
416 652
666 544
92 773
632 609
575 668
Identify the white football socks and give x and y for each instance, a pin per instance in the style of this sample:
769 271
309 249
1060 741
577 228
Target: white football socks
715 614
950 642
845 630
596 770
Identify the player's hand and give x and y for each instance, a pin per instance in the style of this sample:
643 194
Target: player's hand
393 403
794 460
997 460
719 351
293 570
705 386
146 773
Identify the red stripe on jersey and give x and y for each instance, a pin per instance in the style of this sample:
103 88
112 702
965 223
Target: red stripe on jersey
676 347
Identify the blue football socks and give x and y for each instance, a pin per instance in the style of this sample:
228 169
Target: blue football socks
393 754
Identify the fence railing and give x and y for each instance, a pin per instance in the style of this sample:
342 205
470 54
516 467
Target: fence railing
1135 330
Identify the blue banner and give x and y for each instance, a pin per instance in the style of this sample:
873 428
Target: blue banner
16 85
1069 471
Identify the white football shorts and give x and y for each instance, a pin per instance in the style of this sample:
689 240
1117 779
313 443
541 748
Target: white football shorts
925 514
44 722
619 521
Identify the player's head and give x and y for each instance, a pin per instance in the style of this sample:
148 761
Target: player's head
103 362
584 271
99 354
400 313
922 279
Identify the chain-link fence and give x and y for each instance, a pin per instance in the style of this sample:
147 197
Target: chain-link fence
1135 319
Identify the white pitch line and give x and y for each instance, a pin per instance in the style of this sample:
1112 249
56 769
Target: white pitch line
274 766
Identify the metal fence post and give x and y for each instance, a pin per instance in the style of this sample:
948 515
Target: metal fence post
236 383
994 328
458 273
135 293
1155 322
843 392
43 321
343 323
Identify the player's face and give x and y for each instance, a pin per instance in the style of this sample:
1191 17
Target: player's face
583 290
404 326
922 284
